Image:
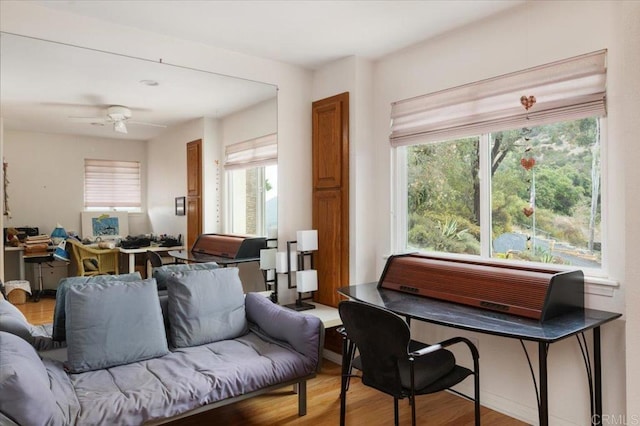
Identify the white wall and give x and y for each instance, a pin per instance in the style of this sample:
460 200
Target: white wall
534 34
46 174
167 176
627 33
255 121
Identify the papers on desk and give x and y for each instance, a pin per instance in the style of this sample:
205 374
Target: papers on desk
38 243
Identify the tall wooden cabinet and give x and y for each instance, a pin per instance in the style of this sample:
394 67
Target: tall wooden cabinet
330 145
194 191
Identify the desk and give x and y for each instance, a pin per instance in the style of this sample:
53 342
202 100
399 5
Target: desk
20 250
189 256
487 322
21 257
132 253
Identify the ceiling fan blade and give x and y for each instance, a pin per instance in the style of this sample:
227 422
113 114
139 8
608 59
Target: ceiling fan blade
88 120
142 123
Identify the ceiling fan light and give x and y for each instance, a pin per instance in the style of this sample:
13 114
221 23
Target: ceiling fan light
119 127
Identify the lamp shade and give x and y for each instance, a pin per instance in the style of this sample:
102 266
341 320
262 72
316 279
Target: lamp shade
272 233
307 240
307 280
281 262
268 259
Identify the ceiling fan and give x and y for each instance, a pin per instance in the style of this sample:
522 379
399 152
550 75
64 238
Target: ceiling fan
119 115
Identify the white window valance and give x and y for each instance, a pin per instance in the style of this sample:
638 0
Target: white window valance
262 151
569 89
111 184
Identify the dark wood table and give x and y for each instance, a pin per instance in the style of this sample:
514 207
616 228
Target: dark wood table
448 314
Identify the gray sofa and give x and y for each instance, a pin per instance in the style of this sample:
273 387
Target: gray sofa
124 366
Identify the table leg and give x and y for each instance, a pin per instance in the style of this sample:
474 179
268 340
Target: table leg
596 417
543 409
21 264
132 262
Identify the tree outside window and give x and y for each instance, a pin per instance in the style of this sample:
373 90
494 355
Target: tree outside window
544 191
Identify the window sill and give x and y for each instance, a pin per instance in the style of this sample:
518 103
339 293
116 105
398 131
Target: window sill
600 286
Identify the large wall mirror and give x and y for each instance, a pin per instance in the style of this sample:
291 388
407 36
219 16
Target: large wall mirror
60 106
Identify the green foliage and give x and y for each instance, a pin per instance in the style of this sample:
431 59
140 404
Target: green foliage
443 188
445 235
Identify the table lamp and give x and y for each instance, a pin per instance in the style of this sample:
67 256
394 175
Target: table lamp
306 281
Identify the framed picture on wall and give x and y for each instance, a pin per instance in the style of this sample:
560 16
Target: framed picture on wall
180 203
106 225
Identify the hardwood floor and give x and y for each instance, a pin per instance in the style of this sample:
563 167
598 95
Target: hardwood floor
365 406
38 312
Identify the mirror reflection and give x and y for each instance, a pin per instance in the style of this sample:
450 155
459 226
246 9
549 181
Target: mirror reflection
63 105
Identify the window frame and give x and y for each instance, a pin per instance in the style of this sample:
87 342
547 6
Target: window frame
260 203
399 209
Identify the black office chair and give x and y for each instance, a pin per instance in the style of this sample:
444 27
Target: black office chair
154 259
393 363
39 259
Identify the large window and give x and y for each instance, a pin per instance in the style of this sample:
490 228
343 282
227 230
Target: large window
112 185
251 190
544 191
505 168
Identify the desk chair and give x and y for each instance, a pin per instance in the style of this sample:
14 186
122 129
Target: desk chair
38 258
91 261
394 364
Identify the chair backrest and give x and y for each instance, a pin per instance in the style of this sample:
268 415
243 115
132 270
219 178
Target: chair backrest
154 259
75 254
382 338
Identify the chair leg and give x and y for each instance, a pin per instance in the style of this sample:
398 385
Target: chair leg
347 358
412 402
38 293
476 382
396 416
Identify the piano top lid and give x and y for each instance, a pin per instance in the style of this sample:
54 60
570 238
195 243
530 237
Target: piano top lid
229 246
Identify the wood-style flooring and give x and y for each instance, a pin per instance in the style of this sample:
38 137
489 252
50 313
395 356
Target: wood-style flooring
365 406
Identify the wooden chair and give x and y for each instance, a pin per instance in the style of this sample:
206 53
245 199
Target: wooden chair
91 261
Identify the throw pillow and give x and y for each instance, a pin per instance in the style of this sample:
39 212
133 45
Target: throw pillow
205 306
27 398
90 264
113 323
162 273
59 316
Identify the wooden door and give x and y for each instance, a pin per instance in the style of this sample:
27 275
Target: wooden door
194 191
330 146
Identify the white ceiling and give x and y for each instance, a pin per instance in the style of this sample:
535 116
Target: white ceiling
305 33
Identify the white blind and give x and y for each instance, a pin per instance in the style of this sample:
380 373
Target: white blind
569 89
109 183
262 151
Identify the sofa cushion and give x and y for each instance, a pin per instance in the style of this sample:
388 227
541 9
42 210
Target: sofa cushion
113 323
26 387
162 273
59 315
13 321
205 306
